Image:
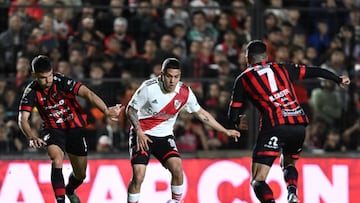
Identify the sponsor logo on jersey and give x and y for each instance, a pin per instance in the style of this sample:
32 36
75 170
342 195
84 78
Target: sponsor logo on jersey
46 137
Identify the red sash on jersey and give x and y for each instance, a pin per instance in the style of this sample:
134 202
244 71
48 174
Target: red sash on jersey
172 108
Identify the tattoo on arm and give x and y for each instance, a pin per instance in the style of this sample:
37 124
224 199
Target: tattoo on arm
133 117
205 118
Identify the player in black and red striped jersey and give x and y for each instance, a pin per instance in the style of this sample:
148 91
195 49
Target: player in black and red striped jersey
54 96
269 87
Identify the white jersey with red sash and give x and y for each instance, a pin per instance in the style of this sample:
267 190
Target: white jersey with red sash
158 109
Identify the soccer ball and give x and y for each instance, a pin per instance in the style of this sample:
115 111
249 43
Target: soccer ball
173 201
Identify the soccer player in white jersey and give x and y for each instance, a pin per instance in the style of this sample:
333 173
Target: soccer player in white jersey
152 111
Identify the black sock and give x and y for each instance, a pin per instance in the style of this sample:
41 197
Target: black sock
263 192
73 184
58 185
291 178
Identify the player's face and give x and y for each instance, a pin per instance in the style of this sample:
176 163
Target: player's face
171 77
45 80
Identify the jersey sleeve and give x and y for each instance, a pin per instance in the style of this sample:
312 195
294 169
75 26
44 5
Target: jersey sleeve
27 100
139 98
68 84
299 72
312 72
296 71
238 101
192 105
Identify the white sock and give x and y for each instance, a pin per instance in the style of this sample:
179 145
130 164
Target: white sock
133 198
177 191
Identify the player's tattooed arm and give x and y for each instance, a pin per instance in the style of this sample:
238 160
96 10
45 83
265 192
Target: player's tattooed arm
142 139
204 117
133 117
208 119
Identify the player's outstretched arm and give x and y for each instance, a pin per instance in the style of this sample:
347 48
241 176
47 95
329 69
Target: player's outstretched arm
208 119
112 112
313 72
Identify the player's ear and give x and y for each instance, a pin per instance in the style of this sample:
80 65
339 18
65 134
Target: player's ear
162 75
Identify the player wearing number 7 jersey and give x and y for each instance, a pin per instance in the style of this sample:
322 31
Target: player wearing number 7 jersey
152 112
269 87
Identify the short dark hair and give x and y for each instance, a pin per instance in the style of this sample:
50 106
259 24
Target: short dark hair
41 64
171 63
255 47
59 3
198 12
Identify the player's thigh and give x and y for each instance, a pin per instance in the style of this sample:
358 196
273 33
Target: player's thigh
138 156
79 164
174 164
138 171
286 160
76 143
292 141
55 145
259 171
56 155
76 148
54 137
267 147
164 148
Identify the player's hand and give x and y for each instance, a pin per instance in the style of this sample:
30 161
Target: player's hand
113 112
142 141
345 80
36 142
233 133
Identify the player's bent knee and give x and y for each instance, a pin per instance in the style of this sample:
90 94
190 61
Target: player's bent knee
57 162
287 161
82 177
138 178
176 170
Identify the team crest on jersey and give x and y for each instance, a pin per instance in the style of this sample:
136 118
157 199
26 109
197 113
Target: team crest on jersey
177 104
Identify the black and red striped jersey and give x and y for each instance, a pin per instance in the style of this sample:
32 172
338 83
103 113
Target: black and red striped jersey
269 87
57 106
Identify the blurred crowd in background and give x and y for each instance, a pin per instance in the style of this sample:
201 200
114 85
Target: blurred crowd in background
113 45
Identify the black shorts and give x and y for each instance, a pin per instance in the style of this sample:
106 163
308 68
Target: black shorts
162 148
285 139
70 140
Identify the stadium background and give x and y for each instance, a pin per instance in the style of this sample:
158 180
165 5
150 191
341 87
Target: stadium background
217 170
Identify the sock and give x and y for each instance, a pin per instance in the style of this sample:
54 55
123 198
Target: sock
58 185
73 184
177 192
263 191
133 198
291 177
